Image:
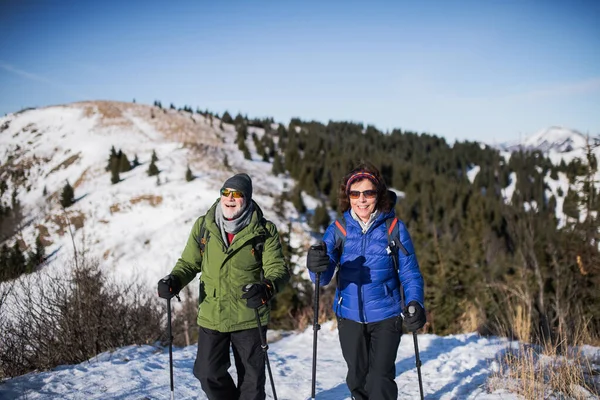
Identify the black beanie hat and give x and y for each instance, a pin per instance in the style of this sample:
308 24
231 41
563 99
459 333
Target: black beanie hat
241 182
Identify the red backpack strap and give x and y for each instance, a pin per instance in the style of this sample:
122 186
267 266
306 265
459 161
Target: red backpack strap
340 234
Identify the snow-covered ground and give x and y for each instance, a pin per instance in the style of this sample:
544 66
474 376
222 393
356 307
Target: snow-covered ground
454 367
138 227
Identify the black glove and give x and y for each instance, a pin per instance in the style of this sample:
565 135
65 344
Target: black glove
257 294
317 260
169 286
414 316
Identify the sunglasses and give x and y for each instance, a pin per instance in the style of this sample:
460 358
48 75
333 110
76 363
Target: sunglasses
369 194
236 194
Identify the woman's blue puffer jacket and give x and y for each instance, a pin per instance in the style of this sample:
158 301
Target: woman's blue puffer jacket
368 286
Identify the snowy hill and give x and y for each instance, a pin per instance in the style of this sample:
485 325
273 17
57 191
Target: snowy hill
139 226
554 139
454 367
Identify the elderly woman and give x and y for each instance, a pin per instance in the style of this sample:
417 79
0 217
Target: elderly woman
378 278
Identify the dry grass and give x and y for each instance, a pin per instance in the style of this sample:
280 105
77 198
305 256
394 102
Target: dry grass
81 178
148 198
552 370
65 164
44 235
75 218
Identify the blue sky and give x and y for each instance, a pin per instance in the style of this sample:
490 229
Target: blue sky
469 70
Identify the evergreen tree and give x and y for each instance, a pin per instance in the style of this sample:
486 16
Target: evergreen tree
136 162
114 175
5 273
124 164
227 118
153 169
297 200
35 257
154 157
113 155
188 175
67 196
277 165
17 261
320 220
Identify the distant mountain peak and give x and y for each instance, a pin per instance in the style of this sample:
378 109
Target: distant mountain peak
557 139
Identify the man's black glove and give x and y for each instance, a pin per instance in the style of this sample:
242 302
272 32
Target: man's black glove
169 286
257 294
414 316
317 260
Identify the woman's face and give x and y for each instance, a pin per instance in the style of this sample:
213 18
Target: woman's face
363 197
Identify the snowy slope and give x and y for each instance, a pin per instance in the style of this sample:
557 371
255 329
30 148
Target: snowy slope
138 227
454 367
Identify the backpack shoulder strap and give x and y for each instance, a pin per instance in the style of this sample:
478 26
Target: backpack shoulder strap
203 236
394 242
258 244
340 234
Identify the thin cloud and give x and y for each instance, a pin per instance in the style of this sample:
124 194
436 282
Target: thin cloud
567 89
517 94
38 78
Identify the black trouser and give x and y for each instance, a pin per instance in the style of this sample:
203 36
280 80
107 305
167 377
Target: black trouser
212 363
370 353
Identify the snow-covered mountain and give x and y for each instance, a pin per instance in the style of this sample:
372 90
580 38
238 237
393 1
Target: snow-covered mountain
139 226
553 139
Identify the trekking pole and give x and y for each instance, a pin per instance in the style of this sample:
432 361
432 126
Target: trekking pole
265 347
170 346
316 328
411 310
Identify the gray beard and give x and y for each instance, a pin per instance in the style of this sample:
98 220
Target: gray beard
233 225
231 213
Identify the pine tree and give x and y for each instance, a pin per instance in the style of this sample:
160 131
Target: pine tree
67 196
320 219
154 157
5 273
297 201
188 175
124 164
17 260
115 176
113 155
277 165
227 118
35 257
136 162
153 169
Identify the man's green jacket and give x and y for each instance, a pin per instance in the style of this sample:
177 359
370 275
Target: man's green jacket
225 270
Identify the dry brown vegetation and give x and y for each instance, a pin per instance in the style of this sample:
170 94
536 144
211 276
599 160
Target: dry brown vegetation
56 319
547 370
75 218
65 164
147 198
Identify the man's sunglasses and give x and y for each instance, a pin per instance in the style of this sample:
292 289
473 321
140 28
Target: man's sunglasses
369 194
236 194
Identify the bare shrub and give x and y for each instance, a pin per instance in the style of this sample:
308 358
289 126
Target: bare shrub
540 372
53 320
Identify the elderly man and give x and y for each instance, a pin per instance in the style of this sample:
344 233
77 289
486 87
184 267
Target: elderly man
239 257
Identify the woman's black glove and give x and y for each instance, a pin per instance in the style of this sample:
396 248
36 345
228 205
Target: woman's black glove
257 294
169 286
317 260
414 316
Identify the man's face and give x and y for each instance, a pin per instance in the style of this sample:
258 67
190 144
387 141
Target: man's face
232 203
